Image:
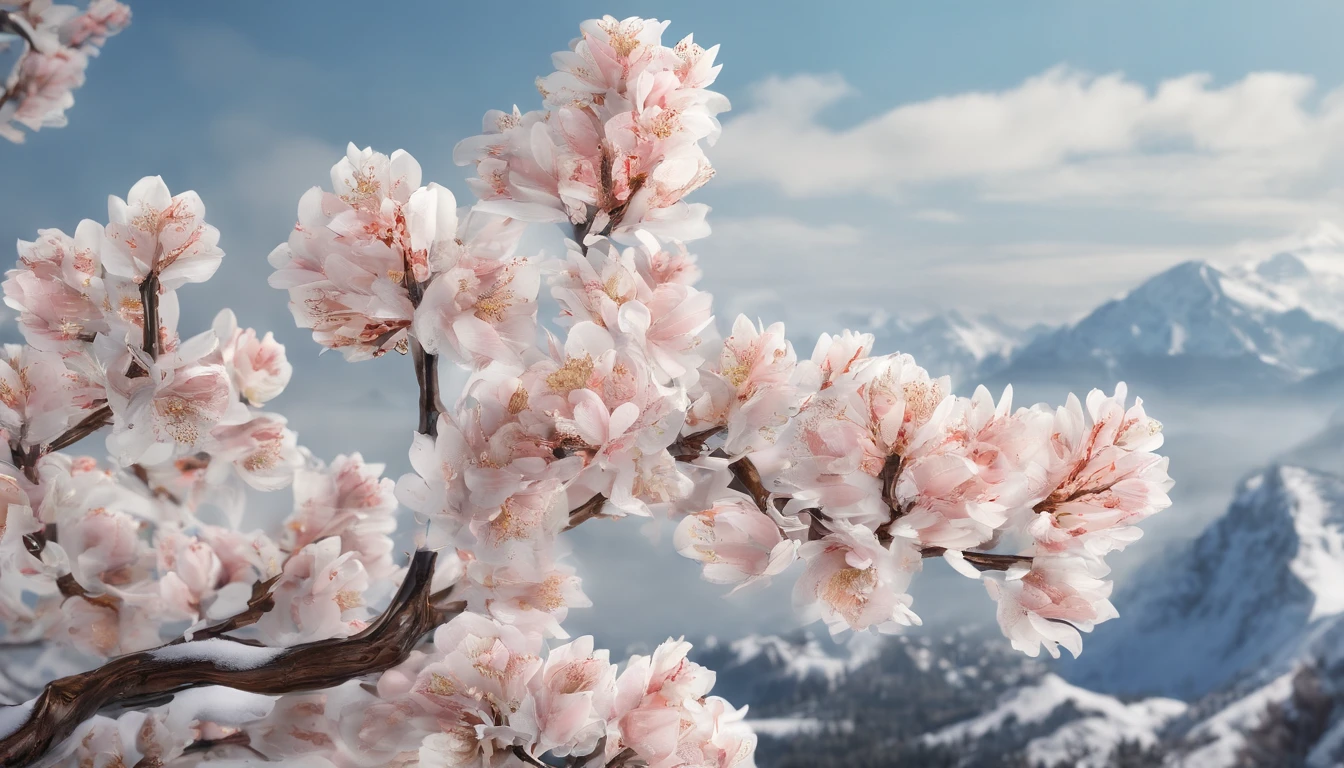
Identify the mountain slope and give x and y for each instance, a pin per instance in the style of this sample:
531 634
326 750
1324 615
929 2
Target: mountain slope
1241 598
1264 322
1054 722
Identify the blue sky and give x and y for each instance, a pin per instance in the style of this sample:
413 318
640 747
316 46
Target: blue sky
1030 159
250 102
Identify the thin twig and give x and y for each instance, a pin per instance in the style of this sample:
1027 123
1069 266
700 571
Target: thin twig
522 754
691 447
261 601
239 739
87 426
586 511
149 303
983 561
748 477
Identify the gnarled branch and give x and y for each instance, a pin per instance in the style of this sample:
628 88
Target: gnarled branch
69 701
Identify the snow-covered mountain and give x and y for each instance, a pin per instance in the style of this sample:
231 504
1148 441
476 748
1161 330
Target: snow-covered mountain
1242 597
867 702
1276 319
947 343
1054 723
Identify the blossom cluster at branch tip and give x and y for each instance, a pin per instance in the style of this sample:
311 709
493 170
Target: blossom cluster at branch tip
57 42
617 144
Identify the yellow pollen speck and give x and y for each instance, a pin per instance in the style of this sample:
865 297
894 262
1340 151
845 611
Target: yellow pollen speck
518 400
574 375
348 598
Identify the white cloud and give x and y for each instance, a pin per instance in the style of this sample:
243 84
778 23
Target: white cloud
1264 149
937 216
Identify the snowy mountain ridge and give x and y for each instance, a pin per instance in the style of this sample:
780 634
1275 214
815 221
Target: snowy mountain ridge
946 343
1278 318
1284 314
1102 723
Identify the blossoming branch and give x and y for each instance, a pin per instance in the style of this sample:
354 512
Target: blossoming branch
56 42
859 465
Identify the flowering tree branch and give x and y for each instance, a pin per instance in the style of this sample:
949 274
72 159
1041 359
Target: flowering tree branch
859 465
57 47
69 701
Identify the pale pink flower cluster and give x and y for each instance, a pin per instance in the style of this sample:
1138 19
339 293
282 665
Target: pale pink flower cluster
351 502
618 144
110 560
58 42
361 257
484 691
888 466
320 595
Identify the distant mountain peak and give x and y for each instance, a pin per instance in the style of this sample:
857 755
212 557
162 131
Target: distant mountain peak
1282 266
944 343
1278 318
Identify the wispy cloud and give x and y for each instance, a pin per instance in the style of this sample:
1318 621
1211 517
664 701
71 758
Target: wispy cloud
937 216
1266 148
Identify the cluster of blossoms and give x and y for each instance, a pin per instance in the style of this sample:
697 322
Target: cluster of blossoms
112 557
58 42
860 465
616 146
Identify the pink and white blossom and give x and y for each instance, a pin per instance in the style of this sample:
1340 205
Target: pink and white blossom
153 232
737 542
853 581
257 366
1050 603
320 595
349 500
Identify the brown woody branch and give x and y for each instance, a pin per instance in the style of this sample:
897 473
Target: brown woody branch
426 366
747 478
586 511
891 472
691 447
69 701
149 303
427 377
983 561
